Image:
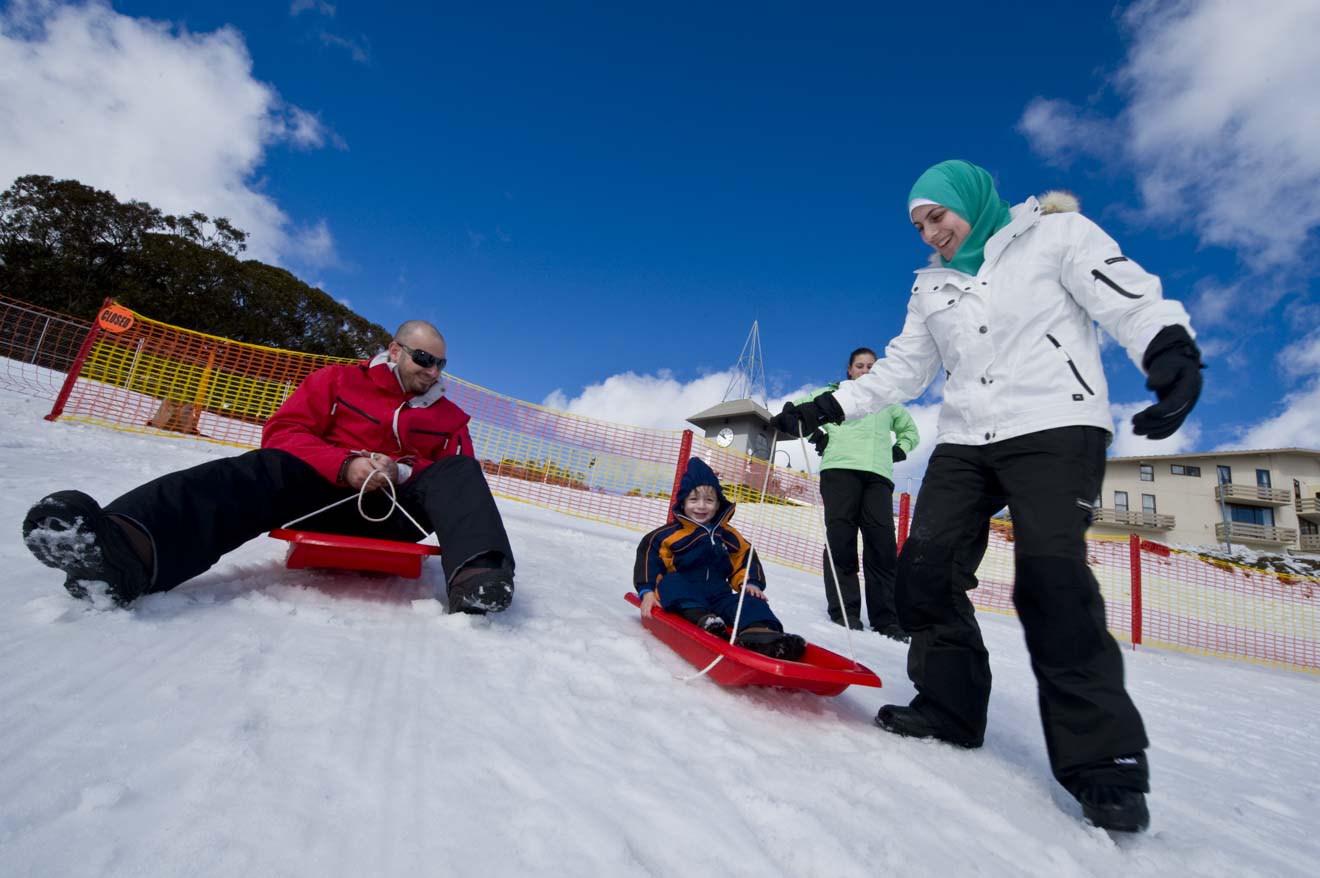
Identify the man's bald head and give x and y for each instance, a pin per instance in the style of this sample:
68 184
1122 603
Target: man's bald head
418 333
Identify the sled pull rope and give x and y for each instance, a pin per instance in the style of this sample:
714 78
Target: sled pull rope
742 592
362 492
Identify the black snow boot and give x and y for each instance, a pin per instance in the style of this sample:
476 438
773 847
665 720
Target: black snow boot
706 620
789 647
1115 808
894 632
478 590
912 723
68 531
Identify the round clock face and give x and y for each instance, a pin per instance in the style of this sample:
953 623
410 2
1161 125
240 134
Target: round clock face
724 438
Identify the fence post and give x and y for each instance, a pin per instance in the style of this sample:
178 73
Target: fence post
684 452
74 370
904 517
1134 564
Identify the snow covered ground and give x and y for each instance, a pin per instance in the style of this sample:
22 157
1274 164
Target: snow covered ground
263 722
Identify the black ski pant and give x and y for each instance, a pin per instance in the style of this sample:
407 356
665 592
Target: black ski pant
1048 480
858 500
195 516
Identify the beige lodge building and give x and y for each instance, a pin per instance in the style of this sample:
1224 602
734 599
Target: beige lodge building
1263 500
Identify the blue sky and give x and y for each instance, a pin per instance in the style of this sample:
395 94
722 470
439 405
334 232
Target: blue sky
594 204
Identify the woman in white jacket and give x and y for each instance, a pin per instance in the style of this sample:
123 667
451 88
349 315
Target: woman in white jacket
1008 312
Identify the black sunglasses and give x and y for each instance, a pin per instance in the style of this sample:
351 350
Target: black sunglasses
423 358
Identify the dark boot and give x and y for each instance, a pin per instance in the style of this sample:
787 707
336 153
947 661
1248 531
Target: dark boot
912 723
774 644
479 588
68 531
706 621
1115 808
895 632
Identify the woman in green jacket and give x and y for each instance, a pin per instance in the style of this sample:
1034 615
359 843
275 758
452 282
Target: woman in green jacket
857 487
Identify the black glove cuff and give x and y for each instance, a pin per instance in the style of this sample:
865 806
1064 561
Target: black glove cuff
1168 339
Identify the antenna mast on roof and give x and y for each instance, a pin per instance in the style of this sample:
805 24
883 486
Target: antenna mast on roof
748 379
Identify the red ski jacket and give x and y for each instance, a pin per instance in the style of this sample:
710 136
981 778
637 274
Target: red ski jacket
339 411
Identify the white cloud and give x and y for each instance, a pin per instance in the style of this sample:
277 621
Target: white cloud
358 51
1129 444
658 401
1301 359
146 111
1220 124
297 7
314 246
1297 426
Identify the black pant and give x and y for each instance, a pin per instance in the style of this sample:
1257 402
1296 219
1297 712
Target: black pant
1048 480
855 499
196 515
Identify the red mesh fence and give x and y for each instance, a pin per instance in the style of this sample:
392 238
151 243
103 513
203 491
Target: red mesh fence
37 347
152 377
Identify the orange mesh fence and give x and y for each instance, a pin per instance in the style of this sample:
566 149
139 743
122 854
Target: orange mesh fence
1206 605
37 347
148 376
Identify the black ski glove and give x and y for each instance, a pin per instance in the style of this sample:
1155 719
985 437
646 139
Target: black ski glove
819 439
801 420
899 453
1173 371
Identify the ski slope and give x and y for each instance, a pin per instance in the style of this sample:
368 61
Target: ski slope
263 722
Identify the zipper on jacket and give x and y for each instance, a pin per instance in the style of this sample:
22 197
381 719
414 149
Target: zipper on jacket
339 400
1071 364
1104 278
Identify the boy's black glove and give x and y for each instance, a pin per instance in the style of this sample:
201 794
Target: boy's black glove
899 453
819 439
802 419
1173 371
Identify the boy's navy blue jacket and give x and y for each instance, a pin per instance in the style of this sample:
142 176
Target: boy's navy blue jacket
683 548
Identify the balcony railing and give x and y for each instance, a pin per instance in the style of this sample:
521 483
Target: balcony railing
1125 518
1310 542
1253 495
1256 533
1307 506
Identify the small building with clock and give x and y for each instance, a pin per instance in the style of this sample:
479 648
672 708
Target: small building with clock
738 424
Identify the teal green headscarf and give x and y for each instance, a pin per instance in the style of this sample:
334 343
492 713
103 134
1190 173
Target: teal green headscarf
968 191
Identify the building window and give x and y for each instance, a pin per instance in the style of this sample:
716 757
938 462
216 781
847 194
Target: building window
1147 472
1225 474
1179 469
1261 515
1148 504
1120 501
1309 527
1263 478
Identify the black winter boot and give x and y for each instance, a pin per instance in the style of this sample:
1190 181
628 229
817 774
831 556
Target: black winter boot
912 723
68 531
478 590
1115 808
706 621
894 632
789 647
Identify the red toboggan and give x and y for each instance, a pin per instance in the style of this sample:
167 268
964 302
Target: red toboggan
338 552
819 671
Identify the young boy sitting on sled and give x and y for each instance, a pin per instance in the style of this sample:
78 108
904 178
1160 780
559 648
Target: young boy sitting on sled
695 565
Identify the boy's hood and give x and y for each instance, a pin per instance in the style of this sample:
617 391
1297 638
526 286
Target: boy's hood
698 472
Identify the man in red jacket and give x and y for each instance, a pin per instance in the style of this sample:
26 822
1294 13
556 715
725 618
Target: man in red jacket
345 427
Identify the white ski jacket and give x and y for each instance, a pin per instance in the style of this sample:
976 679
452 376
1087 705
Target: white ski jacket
1018 341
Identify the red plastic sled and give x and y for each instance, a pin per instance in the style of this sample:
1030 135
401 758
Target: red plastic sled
818 671
307 549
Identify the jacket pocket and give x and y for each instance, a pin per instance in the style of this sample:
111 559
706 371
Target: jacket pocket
339 400
1071 365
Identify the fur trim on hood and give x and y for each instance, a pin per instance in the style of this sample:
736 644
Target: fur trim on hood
1059 201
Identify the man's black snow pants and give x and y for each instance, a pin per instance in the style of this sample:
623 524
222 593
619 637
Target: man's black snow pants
196 515
1048 480
857 499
